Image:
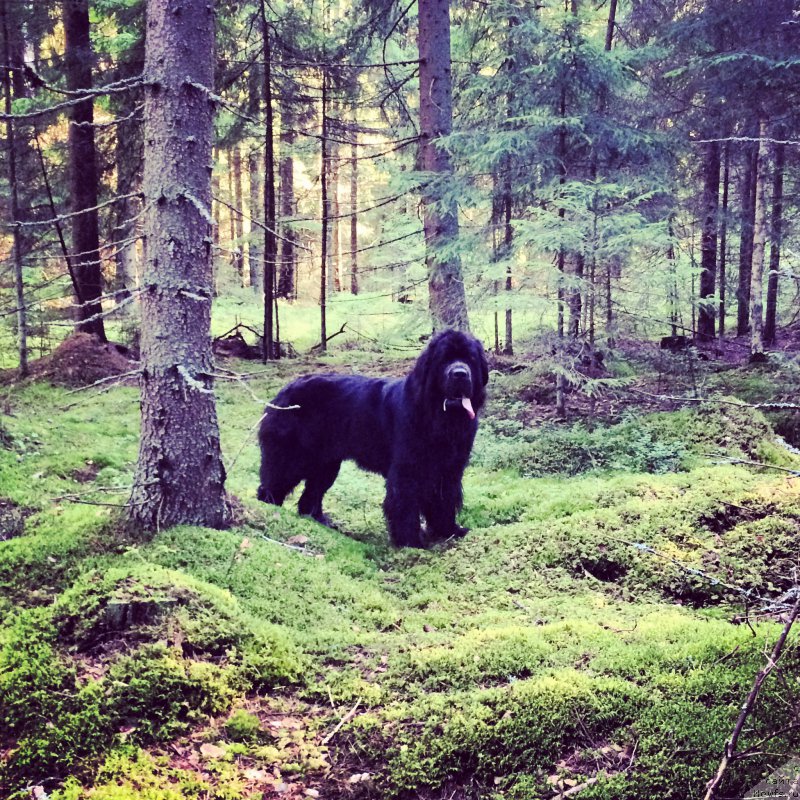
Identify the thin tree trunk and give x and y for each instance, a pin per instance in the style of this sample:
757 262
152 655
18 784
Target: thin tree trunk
334 267
759 242
723 241
235 252
78 58
11 164
746 242
179 476
508 243
448 301
256 238
708 256
238 219
323 180
286 280
776 235
270 221
354 211
216 205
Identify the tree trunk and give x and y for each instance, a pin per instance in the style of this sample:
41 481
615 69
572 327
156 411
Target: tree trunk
354 211
323 181
216 205
286 280
334 265
11 165
238 219
706 329
270 221
746 242
759 242
448 302
776 235
78 59
256 239
508 242
235 252
723 242
179 477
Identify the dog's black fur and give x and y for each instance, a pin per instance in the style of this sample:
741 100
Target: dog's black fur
417 432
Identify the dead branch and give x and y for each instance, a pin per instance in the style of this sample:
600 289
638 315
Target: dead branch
318 346
730 746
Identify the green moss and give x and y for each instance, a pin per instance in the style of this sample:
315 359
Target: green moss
243 726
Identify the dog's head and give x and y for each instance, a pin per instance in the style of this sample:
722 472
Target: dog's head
452 373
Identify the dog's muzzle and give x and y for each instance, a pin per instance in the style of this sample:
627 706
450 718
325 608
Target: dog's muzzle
458 388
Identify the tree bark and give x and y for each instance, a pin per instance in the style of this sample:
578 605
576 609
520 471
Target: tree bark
286 279
759 241
354 211
180 478
270 239
776 235
708 248
11 165
723 241
448 302
256 239
746 242
78 59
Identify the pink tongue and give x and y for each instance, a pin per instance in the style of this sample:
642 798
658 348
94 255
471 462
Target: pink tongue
467 403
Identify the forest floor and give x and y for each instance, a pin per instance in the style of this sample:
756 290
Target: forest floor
595 633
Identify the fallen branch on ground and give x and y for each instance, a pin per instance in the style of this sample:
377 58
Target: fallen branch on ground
730 746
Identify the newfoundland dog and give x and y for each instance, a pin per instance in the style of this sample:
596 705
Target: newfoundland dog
417 432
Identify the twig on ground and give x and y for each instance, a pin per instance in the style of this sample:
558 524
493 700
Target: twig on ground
720 400
730 746
294 547
723 459
343 721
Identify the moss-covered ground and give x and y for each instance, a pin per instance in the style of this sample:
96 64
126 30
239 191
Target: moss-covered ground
599 627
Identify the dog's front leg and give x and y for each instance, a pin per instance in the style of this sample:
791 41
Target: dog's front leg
402 508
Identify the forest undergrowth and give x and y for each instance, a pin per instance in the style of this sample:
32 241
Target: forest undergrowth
599 627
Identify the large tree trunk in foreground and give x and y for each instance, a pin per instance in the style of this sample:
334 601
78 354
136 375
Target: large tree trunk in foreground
708 257
759 242
78 60
448 301
179 478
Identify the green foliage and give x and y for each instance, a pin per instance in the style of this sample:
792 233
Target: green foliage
243 726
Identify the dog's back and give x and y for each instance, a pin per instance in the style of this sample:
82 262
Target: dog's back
318 421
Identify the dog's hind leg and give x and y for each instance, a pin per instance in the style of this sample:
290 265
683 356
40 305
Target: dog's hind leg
318 481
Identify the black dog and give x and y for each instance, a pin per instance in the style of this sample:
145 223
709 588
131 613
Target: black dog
417 432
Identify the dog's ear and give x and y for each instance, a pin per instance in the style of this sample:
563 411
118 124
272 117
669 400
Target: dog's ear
483 364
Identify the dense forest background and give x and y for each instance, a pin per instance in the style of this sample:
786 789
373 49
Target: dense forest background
617 169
